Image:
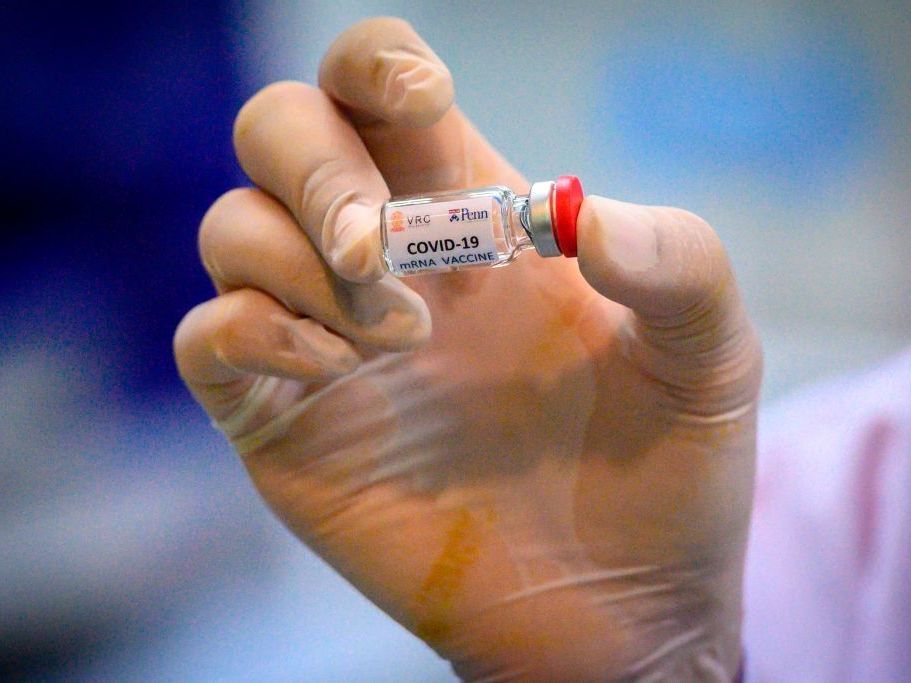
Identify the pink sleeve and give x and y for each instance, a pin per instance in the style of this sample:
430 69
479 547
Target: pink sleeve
828 582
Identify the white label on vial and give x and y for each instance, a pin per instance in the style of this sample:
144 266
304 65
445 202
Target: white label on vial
440 235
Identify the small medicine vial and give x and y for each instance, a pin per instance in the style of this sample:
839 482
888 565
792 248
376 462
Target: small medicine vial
481 228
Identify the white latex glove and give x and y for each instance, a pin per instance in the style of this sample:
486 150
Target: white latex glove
555 483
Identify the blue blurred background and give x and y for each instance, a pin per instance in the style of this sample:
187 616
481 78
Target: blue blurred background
131 545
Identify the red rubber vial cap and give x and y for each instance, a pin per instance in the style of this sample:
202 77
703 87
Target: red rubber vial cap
568 196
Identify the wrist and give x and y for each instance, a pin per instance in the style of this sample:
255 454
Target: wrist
649 625
689 630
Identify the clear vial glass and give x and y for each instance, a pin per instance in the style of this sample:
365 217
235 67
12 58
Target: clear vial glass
480 228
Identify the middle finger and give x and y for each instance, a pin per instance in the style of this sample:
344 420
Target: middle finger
293 142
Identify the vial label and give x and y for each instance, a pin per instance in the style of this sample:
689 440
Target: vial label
441 235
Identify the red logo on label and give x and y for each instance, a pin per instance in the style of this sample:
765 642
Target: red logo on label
397 221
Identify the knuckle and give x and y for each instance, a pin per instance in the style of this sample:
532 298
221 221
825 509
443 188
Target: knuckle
224 206
182 334
231 331
187 336
390 26
347 64
217 219
267 100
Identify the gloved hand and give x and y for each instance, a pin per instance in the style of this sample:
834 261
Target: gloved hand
554 483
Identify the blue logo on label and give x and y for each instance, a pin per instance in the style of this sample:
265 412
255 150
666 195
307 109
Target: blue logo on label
463 214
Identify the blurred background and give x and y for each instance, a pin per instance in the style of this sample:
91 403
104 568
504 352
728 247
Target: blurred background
131 545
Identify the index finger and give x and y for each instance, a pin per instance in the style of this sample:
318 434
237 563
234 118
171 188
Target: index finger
399 93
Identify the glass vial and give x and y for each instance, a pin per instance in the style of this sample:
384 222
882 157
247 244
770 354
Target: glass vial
481 228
